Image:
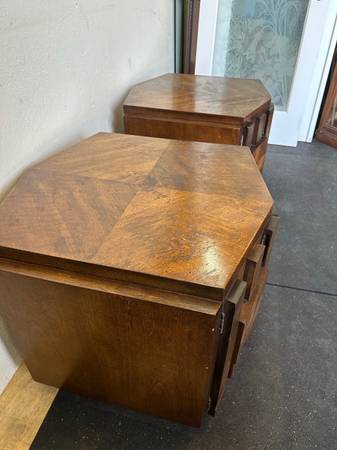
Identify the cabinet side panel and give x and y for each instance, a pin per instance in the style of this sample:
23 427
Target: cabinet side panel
146 356
188 131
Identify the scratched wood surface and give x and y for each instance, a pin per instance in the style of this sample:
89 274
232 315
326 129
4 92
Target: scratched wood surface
202 95
205 109
142 354
172 210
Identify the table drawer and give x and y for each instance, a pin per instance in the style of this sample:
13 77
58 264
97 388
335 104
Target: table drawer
261 130
255 275
248 134
250 309
230 329
259 154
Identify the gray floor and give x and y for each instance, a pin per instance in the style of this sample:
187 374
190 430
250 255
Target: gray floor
284 393
303 182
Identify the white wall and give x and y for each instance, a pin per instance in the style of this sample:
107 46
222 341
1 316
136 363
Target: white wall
65 68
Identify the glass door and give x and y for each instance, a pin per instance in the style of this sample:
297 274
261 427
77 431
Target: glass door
279 42
260 39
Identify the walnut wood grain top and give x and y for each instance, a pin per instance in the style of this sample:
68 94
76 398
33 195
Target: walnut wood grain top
217 96
175 210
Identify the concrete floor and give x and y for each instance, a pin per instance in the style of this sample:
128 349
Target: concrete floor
284 393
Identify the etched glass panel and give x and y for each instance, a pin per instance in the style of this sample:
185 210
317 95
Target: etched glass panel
260 39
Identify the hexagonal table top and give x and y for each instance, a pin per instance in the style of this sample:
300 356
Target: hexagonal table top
161 208
184 93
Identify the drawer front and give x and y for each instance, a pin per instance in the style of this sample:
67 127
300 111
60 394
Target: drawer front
261 128
239 322
269 237
250 309
259 154
249 134
256 273
253 270
255 135
230 328
255 276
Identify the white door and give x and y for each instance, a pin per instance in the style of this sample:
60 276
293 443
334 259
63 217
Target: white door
286 43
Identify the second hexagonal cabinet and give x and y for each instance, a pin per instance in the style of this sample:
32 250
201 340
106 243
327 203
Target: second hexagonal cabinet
132 268
199 108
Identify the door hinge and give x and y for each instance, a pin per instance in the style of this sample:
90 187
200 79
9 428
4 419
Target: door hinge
222 323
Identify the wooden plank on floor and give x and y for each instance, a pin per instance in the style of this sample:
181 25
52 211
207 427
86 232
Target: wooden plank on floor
23 407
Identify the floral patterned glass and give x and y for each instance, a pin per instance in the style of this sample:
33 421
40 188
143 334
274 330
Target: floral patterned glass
260 39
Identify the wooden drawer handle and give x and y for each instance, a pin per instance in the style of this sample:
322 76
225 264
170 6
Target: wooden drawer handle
252 269
269 120
237 293
248 134
268 238
261 128
229 325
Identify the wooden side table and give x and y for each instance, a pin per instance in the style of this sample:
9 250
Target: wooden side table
132 268
198 108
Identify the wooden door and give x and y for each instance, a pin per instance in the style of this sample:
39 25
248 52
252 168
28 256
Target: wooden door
327 128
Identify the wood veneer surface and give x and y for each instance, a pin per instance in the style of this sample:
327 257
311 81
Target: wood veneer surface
202 95
185 212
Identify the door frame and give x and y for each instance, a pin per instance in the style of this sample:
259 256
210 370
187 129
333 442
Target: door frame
310 76
206 36
186 23
191 26
320 79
